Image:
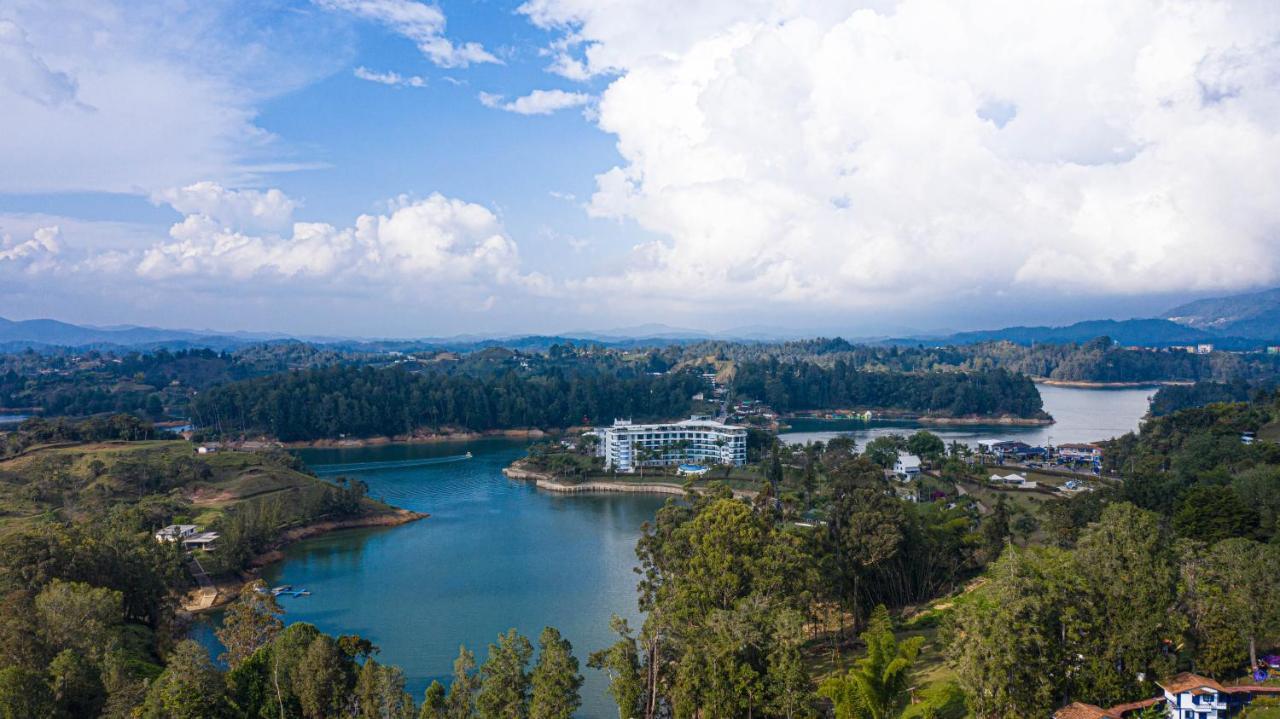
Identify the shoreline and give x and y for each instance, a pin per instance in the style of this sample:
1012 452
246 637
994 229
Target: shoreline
228 588
1087 384
895 416
426 438
541 480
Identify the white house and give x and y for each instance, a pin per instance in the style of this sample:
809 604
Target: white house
175 532
906 466
1191 696
626 446
204 541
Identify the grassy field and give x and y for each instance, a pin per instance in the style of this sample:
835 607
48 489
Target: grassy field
165 475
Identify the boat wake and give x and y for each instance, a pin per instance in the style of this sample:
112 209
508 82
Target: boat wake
352 467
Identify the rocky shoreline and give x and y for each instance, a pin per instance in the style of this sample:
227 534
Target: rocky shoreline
228 589
1085 384
541 480
423 438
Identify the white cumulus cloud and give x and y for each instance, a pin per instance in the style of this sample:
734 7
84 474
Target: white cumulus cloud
852 152
239 208
420 22
394 79
538 102
436 241
37 254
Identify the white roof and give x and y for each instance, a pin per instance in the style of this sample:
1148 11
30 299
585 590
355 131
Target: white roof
684 423
908 460
178 529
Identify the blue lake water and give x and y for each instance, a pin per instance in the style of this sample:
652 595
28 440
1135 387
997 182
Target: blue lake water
494 554
1081 415
497 553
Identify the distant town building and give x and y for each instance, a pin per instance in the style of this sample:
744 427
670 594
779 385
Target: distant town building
1204 349
1273 350
626 446
1077 452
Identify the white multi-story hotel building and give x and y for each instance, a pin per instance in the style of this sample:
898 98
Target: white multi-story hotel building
626 446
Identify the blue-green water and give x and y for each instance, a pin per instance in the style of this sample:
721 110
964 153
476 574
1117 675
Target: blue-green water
494 554
1081 415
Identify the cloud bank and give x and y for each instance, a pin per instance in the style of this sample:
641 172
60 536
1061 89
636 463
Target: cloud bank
851 153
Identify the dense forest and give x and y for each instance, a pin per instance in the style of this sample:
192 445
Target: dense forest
1171 398
364 401
1099 360
153 385
807 385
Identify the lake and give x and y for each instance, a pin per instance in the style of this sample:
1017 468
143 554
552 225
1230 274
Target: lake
1081 415
497 553
494 554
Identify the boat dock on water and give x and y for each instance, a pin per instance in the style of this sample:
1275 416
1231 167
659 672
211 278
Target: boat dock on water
287 590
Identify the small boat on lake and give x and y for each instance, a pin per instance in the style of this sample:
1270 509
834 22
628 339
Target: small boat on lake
468 455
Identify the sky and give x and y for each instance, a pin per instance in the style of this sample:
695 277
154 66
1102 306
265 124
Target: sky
396 168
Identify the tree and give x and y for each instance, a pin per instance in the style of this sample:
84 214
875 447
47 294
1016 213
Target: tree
189 688
774 475
463 688
555 680
994 530
1212 513
883 451
1234 603
926 445
621 663
504 678
252 622
788 678
433 702
380 692
865 532
876 687
322 680
23 694
77 686
1014 642
1132 573
75 615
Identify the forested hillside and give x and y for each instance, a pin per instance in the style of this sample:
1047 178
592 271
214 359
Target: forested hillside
1098 360
363 401
807 385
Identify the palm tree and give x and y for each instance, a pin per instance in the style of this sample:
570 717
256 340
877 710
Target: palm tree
876 687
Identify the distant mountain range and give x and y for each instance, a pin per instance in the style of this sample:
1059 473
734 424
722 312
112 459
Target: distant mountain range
1235 322
1254 315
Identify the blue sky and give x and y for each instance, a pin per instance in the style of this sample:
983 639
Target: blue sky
398 168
